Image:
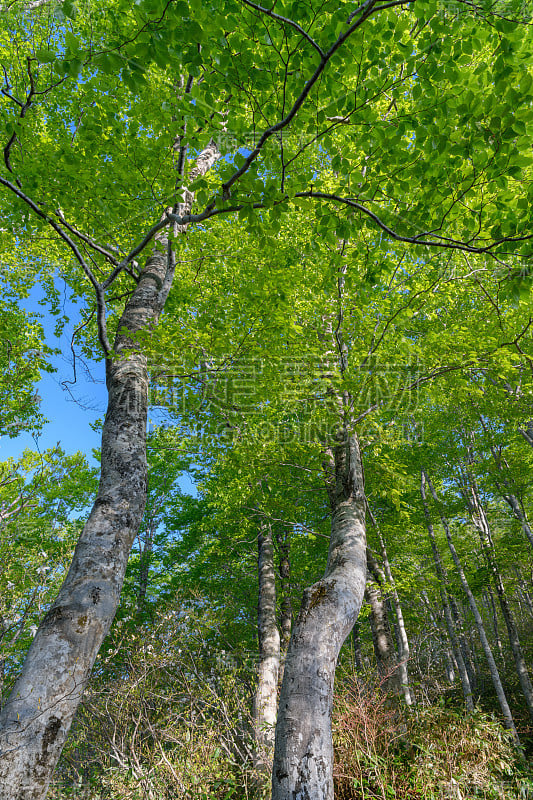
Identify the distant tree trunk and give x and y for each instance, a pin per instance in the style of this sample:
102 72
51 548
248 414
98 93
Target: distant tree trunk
382 638
494 673
144 568
459 658
442 634
481 523
303 758
36 718
504 483
266 697
3 626
450 666
519 513
285 622
384 646
357 656
403 641
527 432
491 607
523 588
466 651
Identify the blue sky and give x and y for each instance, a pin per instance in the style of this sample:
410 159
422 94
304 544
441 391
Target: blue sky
70 408
70 413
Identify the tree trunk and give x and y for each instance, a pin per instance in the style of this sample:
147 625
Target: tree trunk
443 634
285 622
382 639
303 757
357 655
466 650
450 666
527 432
266 697
495 675
481 523
36 718
403 641
519 514
491 608
523 587
384 648
35 721
144 568
441 574
504 483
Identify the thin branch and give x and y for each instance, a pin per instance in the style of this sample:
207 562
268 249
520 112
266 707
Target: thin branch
368 10
88 241
23 111
286 21
442 242
98 288
140 247
437 241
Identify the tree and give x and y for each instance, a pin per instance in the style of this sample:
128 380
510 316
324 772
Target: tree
42 497
397 151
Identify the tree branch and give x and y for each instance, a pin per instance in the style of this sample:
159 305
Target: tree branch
98 288
286 21
369 8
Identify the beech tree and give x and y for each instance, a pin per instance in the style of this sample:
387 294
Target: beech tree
128 131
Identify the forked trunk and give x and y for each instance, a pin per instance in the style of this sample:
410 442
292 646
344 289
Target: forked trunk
303 757
36 718
35 721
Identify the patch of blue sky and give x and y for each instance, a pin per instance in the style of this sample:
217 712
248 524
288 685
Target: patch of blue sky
68 406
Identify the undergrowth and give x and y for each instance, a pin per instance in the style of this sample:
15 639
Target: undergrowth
164 720
433 752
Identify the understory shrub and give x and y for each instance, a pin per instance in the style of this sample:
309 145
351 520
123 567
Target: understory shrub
432 752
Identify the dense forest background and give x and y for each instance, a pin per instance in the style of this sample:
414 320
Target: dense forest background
336 206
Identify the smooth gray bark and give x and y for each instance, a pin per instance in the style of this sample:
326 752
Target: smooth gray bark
467 651
494 673
519 513
303 756
382 636
491 608
523 588
36 718
527 432
266 696
443 634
